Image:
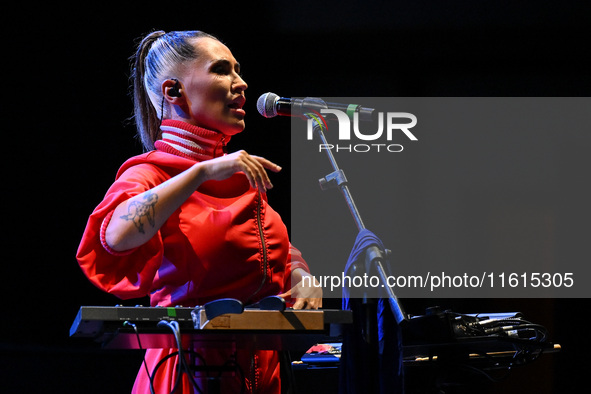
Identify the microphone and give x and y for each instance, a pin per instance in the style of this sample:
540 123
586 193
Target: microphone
270 105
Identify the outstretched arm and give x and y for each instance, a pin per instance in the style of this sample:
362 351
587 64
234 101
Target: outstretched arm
138 219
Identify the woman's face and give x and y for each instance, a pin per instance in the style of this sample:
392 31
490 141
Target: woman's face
213 89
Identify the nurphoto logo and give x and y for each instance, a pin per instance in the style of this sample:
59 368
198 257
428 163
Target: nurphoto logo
393 126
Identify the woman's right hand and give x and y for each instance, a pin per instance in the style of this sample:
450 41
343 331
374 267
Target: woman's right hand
254 167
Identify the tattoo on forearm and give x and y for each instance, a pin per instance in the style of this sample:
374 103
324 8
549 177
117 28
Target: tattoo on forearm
137 211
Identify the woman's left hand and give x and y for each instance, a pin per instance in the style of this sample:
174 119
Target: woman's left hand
307 293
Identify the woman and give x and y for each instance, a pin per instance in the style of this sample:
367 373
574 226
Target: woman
184 222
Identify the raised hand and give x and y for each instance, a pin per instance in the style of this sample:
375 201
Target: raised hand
254 167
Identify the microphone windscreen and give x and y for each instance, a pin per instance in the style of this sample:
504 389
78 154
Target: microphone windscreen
266 105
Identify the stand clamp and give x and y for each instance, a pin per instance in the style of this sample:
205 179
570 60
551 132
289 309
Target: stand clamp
332 180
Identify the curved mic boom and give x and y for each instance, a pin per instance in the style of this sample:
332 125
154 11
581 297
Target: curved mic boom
270 105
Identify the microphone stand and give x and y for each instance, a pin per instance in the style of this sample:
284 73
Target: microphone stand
366 329
375 258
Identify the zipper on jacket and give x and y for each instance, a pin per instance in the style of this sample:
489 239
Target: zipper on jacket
259 218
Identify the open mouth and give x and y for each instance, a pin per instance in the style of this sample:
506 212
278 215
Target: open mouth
237 104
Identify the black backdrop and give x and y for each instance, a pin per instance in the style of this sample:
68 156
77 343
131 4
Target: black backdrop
66 70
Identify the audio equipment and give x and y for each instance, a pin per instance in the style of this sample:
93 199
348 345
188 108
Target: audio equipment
261 329
175 90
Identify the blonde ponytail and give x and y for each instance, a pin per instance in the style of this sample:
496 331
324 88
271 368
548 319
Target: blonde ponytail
155 60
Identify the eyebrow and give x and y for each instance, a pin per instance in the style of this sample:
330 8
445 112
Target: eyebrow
226 62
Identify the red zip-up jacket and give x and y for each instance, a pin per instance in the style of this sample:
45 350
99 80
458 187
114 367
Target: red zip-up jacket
224 241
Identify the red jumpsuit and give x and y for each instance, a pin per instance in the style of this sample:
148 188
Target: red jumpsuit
224 241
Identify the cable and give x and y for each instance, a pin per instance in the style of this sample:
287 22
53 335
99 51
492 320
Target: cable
188 370
234 362
159 364
139 342
182 366
173 325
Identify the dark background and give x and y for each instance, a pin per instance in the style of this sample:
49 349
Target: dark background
67 70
